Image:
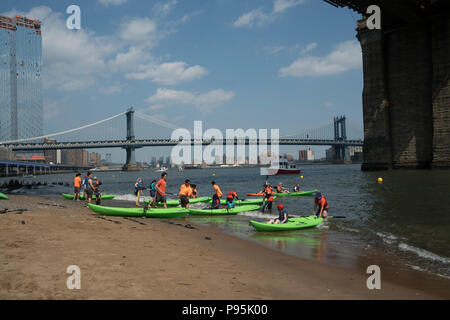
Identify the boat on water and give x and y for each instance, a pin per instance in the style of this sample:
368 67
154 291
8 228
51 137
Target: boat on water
162 169
284 167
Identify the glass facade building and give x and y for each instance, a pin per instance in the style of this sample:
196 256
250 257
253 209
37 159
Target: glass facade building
21 105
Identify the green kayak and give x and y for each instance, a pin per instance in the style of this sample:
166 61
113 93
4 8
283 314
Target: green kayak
245 201
292 224
235 210
139 212
104 196
3 196
176 202
293 194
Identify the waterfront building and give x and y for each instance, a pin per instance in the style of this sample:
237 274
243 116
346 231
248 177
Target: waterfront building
21 103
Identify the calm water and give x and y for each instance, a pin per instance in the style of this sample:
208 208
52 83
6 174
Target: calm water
406 218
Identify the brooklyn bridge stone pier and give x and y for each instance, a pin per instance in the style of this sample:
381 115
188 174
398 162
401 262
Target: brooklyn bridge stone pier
406 95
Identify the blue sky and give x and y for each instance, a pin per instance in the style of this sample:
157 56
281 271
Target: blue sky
288 64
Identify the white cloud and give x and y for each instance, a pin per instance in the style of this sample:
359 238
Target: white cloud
111 89
204 102
279 6
346 56
328 104
76 60
142 30
107 3
163 9
279 49
257 17
169 73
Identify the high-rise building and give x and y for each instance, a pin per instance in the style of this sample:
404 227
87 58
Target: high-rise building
21 105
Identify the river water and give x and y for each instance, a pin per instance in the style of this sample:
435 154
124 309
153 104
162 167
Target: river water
406 218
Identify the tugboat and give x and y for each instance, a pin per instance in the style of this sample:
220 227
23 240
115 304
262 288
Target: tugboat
285 167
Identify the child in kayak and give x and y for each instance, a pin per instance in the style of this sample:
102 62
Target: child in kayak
321 205
282 216
297 187
281 189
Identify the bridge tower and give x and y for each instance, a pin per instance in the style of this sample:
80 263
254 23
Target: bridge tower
340 134
130 163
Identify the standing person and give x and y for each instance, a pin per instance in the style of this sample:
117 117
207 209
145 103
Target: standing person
97 193
185 193
137 190
77 186
153 194
268 197
85 185
161 189
90 187
321 204
282 216
217 195
194 191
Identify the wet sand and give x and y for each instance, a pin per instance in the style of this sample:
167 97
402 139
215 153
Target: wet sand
152 259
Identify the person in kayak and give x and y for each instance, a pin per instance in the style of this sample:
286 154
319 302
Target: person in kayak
282 216
89 187
217 195
97 193
280 188
77 187
297 187
194 191
321 205
268 198
185 193
161 189
152 189
231 196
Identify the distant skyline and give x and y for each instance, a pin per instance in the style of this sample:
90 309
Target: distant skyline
287 64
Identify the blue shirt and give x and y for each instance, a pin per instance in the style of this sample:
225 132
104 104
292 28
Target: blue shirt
230 204
281 215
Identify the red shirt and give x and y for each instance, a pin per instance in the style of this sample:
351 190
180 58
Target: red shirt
161 184
322 203
269 194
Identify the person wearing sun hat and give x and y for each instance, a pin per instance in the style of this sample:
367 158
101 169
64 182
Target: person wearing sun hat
320 205
282 216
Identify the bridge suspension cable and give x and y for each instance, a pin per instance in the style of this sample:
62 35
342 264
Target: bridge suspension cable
315 133
63 132
157 121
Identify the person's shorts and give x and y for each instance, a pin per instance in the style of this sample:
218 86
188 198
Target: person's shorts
269 205
89 193
76 189
160 198
318 211
184 200
152 193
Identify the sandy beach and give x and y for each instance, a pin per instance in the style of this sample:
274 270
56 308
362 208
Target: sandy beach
124 258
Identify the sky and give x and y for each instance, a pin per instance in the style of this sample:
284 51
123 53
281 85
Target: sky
287 64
